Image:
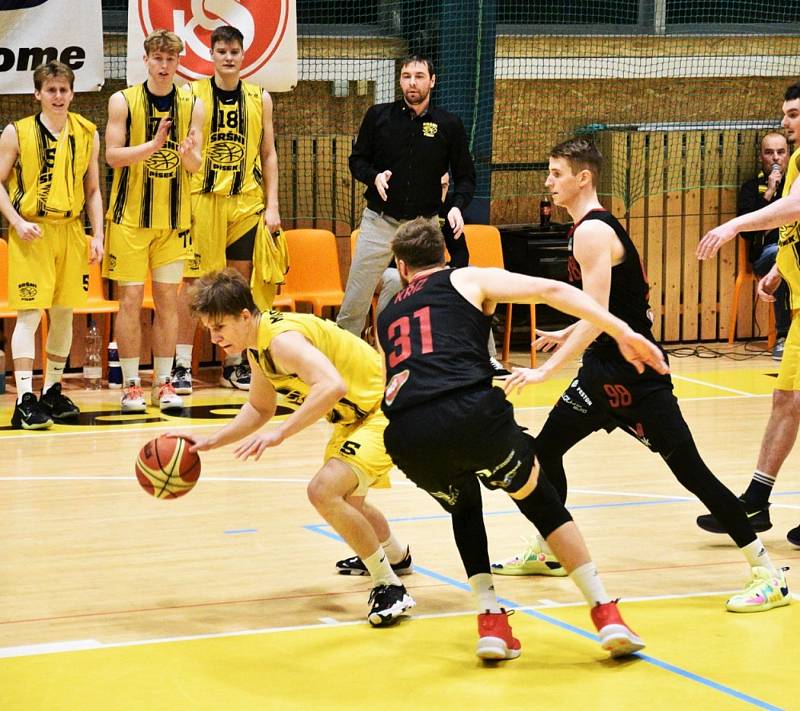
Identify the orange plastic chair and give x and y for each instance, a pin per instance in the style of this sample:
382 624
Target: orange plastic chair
744 273
97 303
6 311
486 250
314 276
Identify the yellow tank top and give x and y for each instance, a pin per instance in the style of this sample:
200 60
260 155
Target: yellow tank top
359 365
33 186
233 132
788 234
154 193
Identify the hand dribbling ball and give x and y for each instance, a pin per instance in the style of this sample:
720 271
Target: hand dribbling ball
166 469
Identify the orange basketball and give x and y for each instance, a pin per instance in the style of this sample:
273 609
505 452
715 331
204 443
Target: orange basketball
166 468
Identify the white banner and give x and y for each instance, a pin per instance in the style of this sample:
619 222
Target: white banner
33 32
269 28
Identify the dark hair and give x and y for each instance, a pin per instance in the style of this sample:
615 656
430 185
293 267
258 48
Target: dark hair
419 58
792 92
222 293
419 243
581 154
52 70
227 34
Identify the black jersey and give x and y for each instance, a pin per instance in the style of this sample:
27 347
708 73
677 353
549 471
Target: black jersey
629 295
434 342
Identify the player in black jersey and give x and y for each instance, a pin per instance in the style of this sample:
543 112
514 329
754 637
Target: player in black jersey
607 393
450 429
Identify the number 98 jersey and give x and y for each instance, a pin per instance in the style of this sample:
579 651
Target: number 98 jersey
434 342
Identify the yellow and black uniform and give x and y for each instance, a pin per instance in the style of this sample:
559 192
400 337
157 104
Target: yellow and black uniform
788 261
46 187
227 191
358 421
149 210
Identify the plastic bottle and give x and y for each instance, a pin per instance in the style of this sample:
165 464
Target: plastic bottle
2 372
92 368
114 370
544 213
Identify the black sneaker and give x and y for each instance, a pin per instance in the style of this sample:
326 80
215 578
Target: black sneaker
758 516
498 371
388 603
30 415
235 376
355 566
794 536
58 405
182 380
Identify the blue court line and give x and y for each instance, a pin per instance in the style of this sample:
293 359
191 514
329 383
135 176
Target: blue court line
242 530
323 529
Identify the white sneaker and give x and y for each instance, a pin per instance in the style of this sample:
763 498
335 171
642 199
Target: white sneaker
498 371
133 397
164 397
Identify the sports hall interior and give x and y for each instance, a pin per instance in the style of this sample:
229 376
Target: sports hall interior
228 598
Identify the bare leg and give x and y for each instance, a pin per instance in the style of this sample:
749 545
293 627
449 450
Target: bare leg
187 325
127 331
165 324
781 431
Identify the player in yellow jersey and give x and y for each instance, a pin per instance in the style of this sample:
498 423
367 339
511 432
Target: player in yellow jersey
321 371
234 194
153 141
48 177
784 420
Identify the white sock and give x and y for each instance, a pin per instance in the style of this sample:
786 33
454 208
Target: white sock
130 368
543 546
24 380
380 570
756 554
162 368
483 588
588 581
395 551
183 355
53 373
234 359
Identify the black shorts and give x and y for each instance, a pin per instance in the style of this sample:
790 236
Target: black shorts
454 438
242 249
608 393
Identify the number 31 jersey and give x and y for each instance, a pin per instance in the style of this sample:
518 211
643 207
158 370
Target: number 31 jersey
434 342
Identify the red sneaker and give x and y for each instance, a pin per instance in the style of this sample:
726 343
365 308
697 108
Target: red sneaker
615 636
495 639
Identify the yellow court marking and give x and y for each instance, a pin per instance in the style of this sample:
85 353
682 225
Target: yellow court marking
429 663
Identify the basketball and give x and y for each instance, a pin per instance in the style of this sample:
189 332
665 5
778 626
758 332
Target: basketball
166 469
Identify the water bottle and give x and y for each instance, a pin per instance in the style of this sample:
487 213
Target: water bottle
92 368
114 370
545 210
2 372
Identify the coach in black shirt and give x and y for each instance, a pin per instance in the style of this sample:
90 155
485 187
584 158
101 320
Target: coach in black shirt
402 150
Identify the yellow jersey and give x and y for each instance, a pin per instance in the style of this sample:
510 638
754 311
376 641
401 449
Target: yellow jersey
360 366
46 184
788 257
154 193
233 132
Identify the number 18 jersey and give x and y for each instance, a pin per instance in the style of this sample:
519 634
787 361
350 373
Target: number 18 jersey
434 342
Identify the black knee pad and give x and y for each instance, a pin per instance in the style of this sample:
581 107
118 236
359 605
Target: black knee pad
543 507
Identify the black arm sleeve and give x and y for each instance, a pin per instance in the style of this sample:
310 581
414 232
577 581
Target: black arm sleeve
461 167
363 151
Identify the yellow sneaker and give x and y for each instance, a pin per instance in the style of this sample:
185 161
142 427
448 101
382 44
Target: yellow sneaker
533 561
763 592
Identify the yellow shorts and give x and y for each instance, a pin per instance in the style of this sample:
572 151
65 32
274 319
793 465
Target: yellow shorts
361 447
789 370
50 271
217 222
131 251
788 261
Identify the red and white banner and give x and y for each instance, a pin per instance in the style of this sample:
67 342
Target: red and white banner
269 28
33 32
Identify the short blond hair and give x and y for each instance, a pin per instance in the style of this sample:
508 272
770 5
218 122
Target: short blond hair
163 41
52 70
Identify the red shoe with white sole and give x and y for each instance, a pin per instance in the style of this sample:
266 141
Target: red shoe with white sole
615 636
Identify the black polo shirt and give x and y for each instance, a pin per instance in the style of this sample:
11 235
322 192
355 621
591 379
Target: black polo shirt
418 150
750 199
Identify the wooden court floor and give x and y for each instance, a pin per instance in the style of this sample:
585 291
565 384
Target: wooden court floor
227 599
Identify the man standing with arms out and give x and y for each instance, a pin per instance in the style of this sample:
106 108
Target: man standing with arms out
153 140
450 429
234 194
607 393
49 162
781 432
756 193
321 371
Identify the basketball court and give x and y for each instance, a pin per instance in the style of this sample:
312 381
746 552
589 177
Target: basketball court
227 598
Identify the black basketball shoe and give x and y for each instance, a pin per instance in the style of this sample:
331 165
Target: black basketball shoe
58 405
30 415
758 515
355 566
794 536
388 603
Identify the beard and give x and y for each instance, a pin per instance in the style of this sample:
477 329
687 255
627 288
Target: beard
417 99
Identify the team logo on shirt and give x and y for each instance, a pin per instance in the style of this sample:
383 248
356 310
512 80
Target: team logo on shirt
429 129
394 385
164 162
225 150
27 291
